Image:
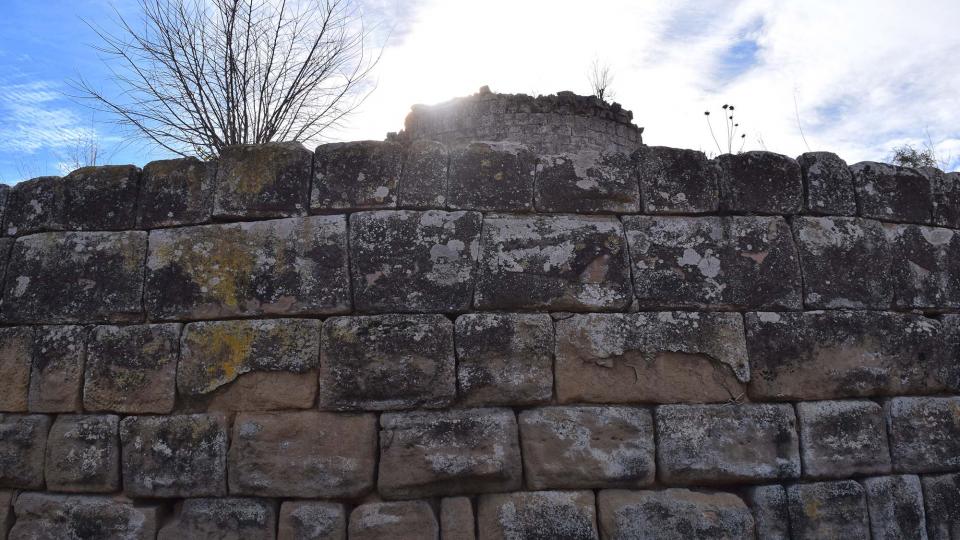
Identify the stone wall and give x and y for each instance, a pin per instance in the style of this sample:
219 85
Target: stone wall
413 340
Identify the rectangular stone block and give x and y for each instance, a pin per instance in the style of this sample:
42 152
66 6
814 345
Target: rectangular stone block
387 362
673 514
842 354
381 520
303 454
174 456
294 266
132 369
16 361
56 376
6 512
555 263
83 454
49 515
100 198
946 198
770 511
355 176
229 517
410 261
423 181
176 192
941 496
75 277
587 182
427 454
924 433
895 505
491 176
456 519
587 447
924 267
312 520
677 181
828 510
262 180
726 444
504 358
892 193
760 182
34 206
23 441
839 439
828 184
738 262
570 515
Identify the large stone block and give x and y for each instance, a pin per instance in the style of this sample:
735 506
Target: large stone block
924 273
946 198
456 519
49 515
83 454
828 510
132 369
176 192
16 361
924 433
312 520
75 276
842 438
828 184
303 454
941 496
23 442
587 182
760 182
410 261
227 518
663 357
673 514
34 206
174 456
587 447
841 354
677 181
56 376
728 262
423 181
562 262
294 266
425 454
381 520
725 444
896 508
262 180
387 362
892 193
491 176
504 358
100 198
770 511
570 515
6 512
356 176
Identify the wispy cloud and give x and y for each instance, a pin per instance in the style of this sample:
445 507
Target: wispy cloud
33 116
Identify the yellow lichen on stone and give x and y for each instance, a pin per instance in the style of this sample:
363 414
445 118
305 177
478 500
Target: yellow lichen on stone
227 348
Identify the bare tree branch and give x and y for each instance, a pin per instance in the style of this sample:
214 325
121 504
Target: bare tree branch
601 79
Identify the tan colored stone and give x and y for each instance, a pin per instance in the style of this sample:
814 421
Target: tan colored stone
828 510
16 345
383 520
228 518
55 516
56 378
673 514
570 515
83 454
312 520
456 519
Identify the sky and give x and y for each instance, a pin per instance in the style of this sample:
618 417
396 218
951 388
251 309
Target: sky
853 77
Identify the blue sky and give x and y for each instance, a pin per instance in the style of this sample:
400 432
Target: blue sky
855 77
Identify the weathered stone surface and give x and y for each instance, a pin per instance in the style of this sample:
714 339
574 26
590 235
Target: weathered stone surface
34 206
424 454
387 362
75 276
423 181
356 176
677 181
730 262
262 180
100 198
176 192
6 513
83 454
303 454
23 441
570 515
312 520
828 510
840 354
174 456
663 357
941 496
283 352
456 519
924 433
896 507
491 176
673 514
842 438
504 358
892 193
410 261
770 512
56 376
828 184
946 197
587 447
563 262
16 360
48 515
587 182
760 182
924 270
381 520
230 518
132 369
718 444
294 266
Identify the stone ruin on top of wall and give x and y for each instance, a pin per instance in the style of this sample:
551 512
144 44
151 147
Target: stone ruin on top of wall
489 326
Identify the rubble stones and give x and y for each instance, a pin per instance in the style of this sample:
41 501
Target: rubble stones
83 454
176 192
231 517
941 496
896 507
491 176
356 176
49 515
312 520
56 376
570 515
100 198
456 519
673 514
587 182
677 181
760 182
380 520
842 438
892 193
16 360
924 433
423 181
34 206
262 181
23 441
770 511
828 510
828 184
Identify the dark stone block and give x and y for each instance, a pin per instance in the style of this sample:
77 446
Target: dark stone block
587 182
828 510
457 521
56 375
176 192
842 438
677 181
946 197
23 441
6 512
896 508
262 180
925 266
49 515
892 193
34 206
760 182
828 184
941 495
100 198
770 511
16 361
423 182
226 518
382 520
312 520
83 454
924 433
571 515
491 177
356 176
673 514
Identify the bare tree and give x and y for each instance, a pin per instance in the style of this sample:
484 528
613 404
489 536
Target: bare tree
85 151
601 79
197 75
